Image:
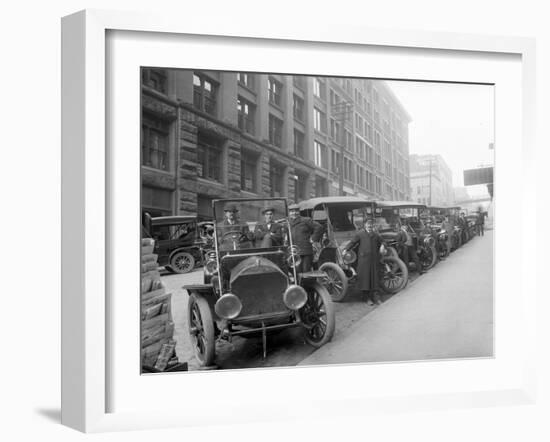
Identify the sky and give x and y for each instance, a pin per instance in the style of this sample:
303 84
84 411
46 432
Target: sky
455 121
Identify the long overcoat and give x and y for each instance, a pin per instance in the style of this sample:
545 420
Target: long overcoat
303 231
368 257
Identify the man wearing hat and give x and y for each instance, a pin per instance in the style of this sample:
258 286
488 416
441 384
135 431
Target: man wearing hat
369 244
304 231
231 224
269 232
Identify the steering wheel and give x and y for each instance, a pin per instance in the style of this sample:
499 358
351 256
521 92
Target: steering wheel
235 236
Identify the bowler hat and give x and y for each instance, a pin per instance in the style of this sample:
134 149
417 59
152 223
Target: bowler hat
268 209
230 208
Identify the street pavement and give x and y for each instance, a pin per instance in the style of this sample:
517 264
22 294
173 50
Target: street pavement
446 313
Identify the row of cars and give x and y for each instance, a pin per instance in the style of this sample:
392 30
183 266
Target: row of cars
251 288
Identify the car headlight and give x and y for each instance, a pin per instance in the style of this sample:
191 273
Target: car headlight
349 257
211 266
229 306
294 297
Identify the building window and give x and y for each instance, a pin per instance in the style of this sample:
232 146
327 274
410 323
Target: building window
155 201
377 141
245 79
319 120
300 187
299 150
155 79
321 187
320 154
276 179
388 169
335 130
154 142
298 108
335 161
299 81
319 89
378 185
249 172
275 131
245 111
204 94
210 157
370 155
378 162
274 91
369 133
349 140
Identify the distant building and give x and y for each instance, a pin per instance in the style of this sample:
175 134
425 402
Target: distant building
461 194
208 135
431 180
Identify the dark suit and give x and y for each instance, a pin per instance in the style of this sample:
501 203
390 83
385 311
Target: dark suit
267 236
303 231
368 257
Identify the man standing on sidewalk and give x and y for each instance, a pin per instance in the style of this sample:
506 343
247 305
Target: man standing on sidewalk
368 252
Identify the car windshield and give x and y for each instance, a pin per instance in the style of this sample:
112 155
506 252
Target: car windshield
250 224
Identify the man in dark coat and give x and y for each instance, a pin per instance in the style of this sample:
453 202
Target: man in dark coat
242 236
368 258
304 231
268 233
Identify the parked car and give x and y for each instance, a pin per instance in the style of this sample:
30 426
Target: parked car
341 217
408 214
179 240
252 287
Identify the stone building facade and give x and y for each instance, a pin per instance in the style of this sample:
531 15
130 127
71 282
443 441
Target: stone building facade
431 180
208 135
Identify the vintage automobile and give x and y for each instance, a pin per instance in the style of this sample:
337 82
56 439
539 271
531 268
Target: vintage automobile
434 218
251 285
179 240
408 214
341 217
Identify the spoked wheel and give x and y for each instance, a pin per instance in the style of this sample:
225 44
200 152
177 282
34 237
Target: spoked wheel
318 316
182 262
394 274
201 329
444 251
337 281
428 258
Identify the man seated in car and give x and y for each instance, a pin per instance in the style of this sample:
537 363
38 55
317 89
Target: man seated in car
233 235
269 233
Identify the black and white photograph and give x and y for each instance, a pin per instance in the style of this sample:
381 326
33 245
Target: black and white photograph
292 220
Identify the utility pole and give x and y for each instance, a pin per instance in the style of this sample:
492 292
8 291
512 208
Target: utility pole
341 111
430 197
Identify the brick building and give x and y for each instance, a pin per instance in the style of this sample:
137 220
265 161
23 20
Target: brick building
208 135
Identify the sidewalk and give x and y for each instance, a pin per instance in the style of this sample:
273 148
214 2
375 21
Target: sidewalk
446 313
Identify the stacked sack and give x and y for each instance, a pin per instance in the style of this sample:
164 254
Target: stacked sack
157 328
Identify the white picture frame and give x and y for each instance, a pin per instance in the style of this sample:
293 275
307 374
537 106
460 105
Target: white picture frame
87 232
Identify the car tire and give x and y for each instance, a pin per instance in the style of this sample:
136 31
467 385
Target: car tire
399 275
429 259
182 262
201 330
318 306
337 283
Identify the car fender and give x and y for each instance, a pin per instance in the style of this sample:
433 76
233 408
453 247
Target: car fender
193 250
